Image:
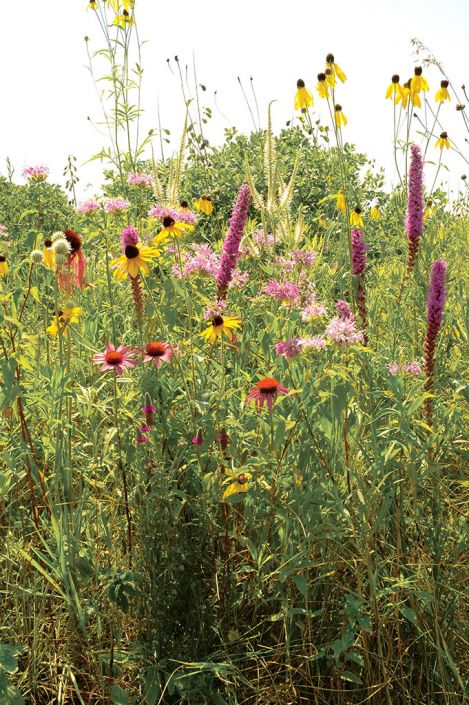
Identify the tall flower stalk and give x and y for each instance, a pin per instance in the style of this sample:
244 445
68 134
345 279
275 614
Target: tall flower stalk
230 251
359 250
415 207
435 307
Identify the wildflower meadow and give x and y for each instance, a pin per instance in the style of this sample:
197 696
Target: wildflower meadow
233 444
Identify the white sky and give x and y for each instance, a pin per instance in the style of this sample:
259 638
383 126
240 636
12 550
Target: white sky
48 93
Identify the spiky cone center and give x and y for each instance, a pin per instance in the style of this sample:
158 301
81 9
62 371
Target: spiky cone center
137 295
113 357
268 385
155 349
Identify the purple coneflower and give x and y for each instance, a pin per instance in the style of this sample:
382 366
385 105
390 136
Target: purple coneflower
415 207
115 359
435 306
158 352
266 391
230 251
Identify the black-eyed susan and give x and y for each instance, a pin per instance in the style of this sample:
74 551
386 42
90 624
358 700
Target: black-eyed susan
340 119
322 87
394 90
238 483
303 98
124 20
173 229
442 93
134 260
335 69
48 254
220 325
3 266
375 213
204 204
443 141
63 318
356 217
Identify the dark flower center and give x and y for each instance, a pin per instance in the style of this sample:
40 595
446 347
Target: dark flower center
131 251
338 108
418 71
73 239
113 357
395 78
444 135
168 221
184 204
444 84
242 479
330 59
47 243
3 258
321 76
217 321
155 349
300 83
268 385
357 210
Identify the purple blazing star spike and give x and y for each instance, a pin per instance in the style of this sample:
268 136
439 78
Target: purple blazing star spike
230 251
359 250
415 207
435 306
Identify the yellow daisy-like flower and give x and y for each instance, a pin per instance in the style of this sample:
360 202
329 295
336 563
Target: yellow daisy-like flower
443 141
340 119
335 69
322 87
48 254
418 83
356 217
204 204
303 98
221 325
93 5
403 96
124 20
395 91
3 266
415 99
171 228
134 260
375 213
330 78
238 483
340 201
442 94
68 315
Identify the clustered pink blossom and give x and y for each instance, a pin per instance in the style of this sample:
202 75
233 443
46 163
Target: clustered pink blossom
286 291
36 173
304 257
115 205
88 206
179 216
230 250
316 342
313 309
412 368
202 261
139 179
342 328
129 236
263 239
289 348
239 279
215 309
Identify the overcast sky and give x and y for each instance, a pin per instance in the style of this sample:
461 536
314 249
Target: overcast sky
48 92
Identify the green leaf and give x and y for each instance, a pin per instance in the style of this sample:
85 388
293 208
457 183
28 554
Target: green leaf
351 677
119 696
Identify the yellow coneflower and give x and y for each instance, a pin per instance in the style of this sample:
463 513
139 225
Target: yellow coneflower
418 82
330 78
238 482
322 87
375 213
404 95
428 209
171 228
48 254
394 90
93 5
3 266
340 201
340 119
443 141
221 325
124 20
59 322
204 204
303 98
134 260
442 94
356 217
335 69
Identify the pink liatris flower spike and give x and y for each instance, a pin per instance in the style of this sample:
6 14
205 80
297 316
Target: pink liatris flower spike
359 250
266 391
230 251
112 359
415 206
435 307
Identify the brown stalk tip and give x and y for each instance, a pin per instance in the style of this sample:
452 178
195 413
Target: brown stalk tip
300 83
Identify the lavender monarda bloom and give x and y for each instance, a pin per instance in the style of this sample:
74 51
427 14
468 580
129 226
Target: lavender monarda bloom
230 251
359 250
415 207
436 304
